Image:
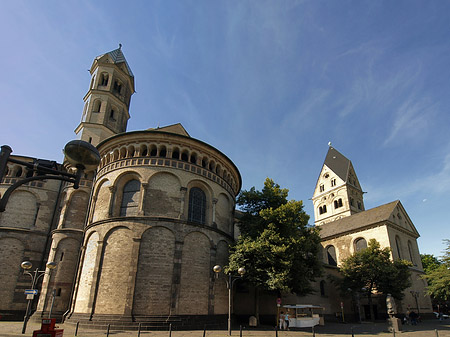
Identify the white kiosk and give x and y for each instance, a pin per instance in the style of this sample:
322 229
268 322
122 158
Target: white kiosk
305 315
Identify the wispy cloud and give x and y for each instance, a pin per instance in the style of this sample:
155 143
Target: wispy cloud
411 120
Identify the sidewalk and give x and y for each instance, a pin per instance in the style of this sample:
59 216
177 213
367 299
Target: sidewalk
424 329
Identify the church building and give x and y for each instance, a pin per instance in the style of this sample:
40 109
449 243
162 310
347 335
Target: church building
138 240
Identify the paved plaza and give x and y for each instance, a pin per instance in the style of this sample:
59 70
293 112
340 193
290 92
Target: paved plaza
428 328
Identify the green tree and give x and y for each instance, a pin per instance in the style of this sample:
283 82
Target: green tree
439 278
372 269
429 262
277 247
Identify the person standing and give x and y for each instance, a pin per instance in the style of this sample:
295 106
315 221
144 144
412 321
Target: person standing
286 320
282 320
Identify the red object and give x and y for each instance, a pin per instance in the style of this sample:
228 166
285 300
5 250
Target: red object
48 329
278 300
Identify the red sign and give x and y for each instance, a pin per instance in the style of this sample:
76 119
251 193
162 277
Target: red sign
278 300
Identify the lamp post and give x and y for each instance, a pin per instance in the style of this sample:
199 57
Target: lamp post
79 153
415 294
231 279
35 275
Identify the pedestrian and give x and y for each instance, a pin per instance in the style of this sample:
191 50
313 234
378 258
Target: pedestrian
281 320
413 317
286 320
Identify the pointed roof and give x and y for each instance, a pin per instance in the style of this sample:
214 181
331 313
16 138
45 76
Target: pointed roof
338 163
117 57
174 128
362 220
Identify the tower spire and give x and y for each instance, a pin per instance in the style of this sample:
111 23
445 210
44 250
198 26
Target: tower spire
107 102
338 192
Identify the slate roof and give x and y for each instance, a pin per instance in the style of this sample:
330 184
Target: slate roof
117 57
358 220
338 163
173 128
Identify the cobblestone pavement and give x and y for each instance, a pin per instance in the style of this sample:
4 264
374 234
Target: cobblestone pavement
429 328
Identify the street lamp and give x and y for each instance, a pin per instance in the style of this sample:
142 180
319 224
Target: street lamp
231 279
35 275
79 153
415 294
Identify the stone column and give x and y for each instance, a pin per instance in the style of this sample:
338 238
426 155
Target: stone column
183 191
132 277
96 277
144 187
112 192
214 203
176 277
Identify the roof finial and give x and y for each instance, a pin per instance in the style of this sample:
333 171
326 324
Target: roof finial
120 46
329 144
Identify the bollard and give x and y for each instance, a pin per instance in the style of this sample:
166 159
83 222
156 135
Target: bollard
139 330
204 331
276 331
353 335
170 330
76 328
435 330
393 332
313 331
240 330
107 330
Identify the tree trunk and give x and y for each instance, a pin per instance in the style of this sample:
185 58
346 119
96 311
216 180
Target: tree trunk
257 305
372 313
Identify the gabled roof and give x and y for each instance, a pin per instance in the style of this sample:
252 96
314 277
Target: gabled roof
174 128
338 163
365 219
117 57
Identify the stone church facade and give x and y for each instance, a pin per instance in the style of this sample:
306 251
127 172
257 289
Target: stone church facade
138 240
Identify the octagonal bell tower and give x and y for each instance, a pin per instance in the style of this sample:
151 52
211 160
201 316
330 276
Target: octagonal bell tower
107 103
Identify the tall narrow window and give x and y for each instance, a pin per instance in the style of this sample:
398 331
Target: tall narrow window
104 79
333 182
331 256
322 188
411 256
197 205
399 247
322 288
130 198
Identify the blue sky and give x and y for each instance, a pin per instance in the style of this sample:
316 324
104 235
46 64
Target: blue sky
269 83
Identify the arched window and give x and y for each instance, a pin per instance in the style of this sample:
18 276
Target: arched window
197 205
322 209
117 87
322 288
18 172
104 79
175 154
130 198
162 152
360 244
97 106
331 256
399 247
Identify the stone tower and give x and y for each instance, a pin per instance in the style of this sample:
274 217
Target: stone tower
338 192
105 114
107 102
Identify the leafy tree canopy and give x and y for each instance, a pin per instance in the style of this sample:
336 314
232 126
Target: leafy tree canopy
277 248
429 262
373 270
439 277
